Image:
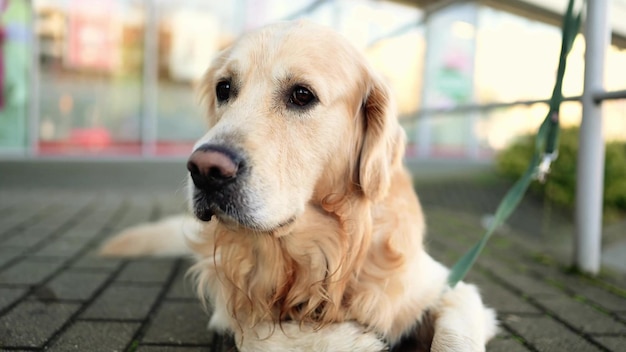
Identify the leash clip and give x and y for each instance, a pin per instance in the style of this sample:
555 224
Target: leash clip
544 167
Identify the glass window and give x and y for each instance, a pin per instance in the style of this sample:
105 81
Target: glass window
449 73
90 72
190 33
615 120
449 135
448 81
15 62
400 60
516 58
499 127
119 77
615 75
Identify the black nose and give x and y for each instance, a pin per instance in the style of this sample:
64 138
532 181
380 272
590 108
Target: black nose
212 166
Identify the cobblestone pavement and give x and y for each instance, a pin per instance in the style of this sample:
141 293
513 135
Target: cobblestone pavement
57 295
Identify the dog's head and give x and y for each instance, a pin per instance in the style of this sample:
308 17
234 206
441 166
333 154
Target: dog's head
295 115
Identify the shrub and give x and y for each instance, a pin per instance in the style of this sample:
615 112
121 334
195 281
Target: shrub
560 186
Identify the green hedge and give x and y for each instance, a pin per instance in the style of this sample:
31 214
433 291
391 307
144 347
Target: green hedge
560 186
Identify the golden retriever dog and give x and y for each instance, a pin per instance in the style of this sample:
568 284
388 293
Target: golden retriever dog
308 234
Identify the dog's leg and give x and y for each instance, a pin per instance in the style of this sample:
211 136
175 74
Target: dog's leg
219 320
293 336
162 238
462 322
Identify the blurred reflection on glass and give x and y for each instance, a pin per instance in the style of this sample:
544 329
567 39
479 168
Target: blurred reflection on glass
118 77
90 62
190 34
15 59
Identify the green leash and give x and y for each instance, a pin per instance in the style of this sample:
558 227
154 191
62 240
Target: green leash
545 153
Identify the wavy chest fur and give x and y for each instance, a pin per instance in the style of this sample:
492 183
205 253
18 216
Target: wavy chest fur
328 268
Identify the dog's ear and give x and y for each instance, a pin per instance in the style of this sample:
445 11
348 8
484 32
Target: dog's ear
205 88
383 140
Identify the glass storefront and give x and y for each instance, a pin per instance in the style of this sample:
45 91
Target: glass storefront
15 69
117 78
90 77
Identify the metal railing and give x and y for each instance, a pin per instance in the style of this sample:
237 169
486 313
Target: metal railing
591 149
597 98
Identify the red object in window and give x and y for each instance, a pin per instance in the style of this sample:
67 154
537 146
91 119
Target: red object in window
93 138
92 41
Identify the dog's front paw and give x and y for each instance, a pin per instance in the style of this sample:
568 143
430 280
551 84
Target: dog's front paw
463 323
219 322
297 337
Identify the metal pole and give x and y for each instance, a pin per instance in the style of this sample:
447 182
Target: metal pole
473 147
424 123
590 169
602 96
32 149
150 80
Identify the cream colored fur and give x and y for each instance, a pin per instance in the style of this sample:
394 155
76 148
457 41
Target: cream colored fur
332 256
167 237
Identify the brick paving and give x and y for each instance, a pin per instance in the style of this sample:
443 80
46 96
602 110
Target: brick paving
57 295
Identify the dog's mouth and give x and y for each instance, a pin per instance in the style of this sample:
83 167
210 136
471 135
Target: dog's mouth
230 214
203 213
235 224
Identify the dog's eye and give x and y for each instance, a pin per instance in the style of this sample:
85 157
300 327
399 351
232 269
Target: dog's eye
301 96
222 91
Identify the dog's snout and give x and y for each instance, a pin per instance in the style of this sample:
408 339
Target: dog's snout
211 166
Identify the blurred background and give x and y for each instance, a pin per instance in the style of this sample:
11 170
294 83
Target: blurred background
109 79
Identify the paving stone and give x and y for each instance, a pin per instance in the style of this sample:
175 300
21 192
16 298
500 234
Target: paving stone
10 295
17 328
62 247
147 271
30 271
18 218
135 214
52 223
500 298
613 343
182 286
8 254
7 229
98 218
546 334
73 285
9 223
599 296
437 238
179 323
526 284
123 303
86 232
79 219
175 349
506 345
93 224
91 261
582 316
27 238
96 337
